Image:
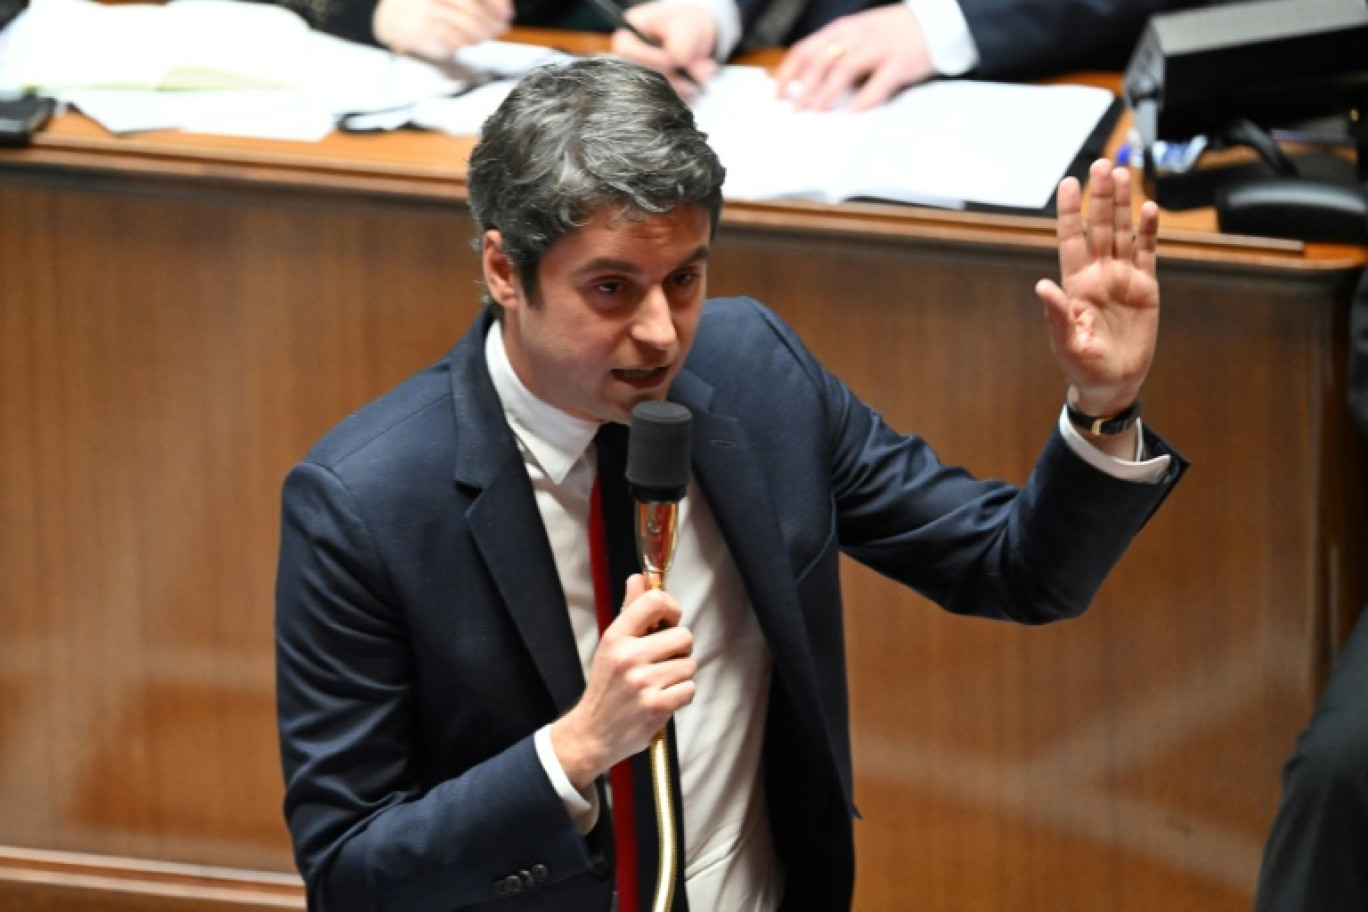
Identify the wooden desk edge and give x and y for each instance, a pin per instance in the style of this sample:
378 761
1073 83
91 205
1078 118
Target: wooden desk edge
431 166
141 883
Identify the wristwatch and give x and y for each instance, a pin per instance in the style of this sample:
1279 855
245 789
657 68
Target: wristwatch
1104 426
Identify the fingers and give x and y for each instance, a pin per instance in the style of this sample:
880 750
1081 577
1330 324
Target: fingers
659 654
873 54
1109 227
1121 185
685 37
882 85
1147 238
637 680
1069 228
1056 312
821 70
1108 231
1101 209
437 28
476 20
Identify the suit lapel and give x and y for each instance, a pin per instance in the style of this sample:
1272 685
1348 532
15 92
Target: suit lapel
506 525
728 469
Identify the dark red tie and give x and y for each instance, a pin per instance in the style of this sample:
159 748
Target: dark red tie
620 776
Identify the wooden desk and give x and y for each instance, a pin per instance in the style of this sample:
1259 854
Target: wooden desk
181 316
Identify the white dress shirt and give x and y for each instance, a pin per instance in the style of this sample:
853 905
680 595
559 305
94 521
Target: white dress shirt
728 863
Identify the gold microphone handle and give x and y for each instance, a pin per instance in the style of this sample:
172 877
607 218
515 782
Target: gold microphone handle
665 822
655 524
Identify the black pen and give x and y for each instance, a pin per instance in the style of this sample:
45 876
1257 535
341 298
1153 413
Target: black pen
618 19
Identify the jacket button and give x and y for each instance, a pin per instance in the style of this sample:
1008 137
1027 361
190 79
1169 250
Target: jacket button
539 873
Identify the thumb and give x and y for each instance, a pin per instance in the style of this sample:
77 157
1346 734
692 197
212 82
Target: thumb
636 587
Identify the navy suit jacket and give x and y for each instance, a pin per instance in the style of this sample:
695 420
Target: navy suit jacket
422 635
1016 39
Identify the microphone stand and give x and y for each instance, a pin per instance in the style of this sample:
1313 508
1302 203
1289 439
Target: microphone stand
658 454
655 525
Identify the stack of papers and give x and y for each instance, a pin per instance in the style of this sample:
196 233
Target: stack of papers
943 144
250 69
229 67
187 45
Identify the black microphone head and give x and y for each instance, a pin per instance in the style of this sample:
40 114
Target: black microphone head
658 451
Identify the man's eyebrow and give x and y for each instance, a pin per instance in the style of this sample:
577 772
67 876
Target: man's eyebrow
612 264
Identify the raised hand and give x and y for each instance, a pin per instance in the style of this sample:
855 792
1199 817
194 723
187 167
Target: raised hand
1104 313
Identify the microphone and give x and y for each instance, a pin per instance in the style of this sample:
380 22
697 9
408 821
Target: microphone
657 473
658 476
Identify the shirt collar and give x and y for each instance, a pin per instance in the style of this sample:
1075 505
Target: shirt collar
554 439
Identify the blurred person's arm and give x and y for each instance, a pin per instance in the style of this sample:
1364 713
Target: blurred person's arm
428 28
871 55
876 53
438 28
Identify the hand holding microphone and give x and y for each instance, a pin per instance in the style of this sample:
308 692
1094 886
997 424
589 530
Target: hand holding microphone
642 670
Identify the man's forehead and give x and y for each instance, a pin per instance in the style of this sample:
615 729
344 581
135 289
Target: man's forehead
613 224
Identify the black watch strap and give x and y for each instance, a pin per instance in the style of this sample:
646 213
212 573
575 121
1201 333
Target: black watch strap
1105 426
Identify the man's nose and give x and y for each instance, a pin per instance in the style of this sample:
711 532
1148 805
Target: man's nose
654 323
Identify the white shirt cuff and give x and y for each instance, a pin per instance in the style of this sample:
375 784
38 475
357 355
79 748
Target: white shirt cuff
948 40
728 19
582 807
1141 469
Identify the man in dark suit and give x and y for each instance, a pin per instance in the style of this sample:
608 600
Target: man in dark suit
448 707
869 50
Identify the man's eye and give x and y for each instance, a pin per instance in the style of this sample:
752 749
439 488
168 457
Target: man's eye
685 279
611 287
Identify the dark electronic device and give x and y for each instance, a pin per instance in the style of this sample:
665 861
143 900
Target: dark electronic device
1234 73
1271 62
23 116
1305 208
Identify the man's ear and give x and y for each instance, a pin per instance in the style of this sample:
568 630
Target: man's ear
501 277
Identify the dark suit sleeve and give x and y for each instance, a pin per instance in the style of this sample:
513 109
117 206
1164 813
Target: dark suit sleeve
982 547
974 546
1019 39
370 833
349 19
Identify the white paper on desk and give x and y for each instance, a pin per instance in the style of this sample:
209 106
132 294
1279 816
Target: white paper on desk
941 144
346 77
341 77
508 59
463 115
186 44
259 114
